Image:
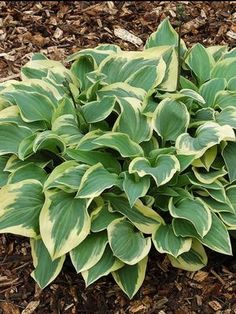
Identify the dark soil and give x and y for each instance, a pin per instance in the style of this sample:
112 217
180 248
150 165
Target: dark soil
59 29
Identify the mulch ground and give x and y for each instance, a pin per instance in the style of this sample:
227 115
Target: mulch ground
59 29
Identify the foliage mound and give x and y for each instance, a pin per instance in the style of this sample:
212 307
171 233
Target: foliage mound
109 158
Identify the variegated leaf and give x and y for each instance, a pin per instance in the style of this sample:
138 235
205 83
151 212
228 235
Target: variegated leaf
228 154
94 181
101 217
86 157
142 217
126 243
225 68
33 106
217 206
89 252
28 171
164 169
46 270
209 177
216 239
165 241
50 141
165 35
10 137
135 187
130 277
171 119
227 116
64 222
107 264
120 142
3 172
132 121
20 206
201 69
209 90
130 62
207 135
98 110
195 211
193 260
66 175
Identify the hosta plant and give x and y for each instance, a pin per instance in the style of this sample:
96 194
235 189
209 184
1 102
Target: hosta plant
103 161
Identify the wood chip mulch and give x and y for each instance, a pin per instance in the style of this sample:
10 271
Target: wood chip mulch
59 28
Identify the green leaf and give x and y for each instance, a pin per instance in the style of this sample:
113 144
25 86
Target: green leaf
207 135
127 244
130 277
171 119
216 239
20 206
135 187
193 260
107 264
229 158
200 62
163 171
94 181
68 174
165 241
209 90
64 222
143 217
10 138
120 142
41 258
195 211
89 252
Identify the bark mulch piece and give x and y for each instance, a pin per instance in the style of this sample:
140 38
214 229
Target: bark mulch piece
58 29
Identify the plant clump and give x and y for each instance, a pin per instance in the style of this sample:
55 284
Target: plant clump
106 159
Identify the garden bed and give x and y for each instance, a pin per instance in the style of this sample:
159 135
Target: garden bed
59 29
